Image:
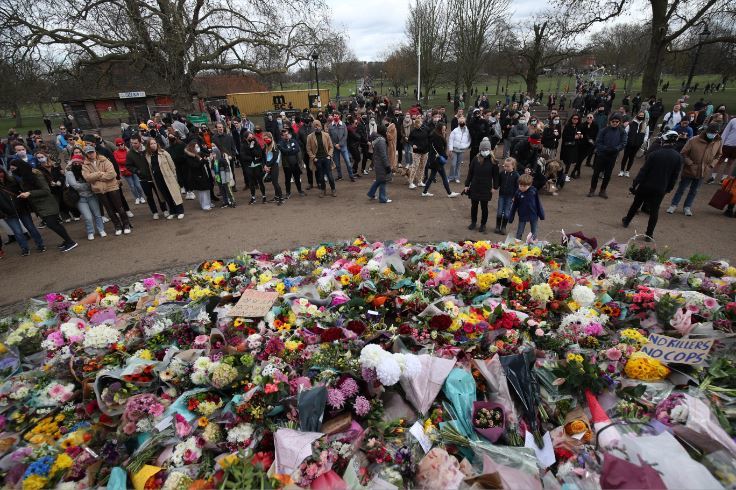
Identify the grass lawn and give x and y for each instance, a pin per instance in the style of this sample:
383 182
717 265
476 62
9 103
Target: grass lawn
32 119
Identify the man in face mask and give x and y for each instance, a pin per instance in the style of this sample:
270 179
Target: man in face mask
21 152
700 154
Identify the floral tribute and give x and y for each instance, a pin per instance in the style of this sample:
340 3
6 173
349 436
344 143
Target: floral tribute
390 365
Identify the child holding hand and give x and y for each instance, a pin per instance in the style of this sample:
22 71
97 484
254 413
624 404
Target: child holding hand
527 204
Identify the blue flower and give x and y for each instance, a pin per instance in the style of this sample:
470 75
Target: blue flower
40 467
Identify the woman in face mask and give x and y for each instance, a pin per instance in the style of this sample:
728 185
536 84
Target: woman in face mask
637 134
272 158
483 177
88 204
55 178
437 161
551 138
199 173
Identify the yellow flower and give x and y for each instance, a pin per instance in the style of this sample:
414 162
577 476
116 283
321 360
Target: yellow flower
264 277
280 288
229 460
34 482
203 421
573 305
344 279
284 327
78 309
144 354
171 294
321 251
642 367
238 322
504 273
232 267
358 242
63 461
292 345
444 290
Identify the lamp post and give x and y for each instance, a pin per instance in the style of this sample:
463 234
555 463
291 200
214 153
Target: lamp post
381 73
315 57
702 36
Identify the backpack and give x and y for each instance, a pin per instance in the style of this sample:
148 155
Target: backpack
515 141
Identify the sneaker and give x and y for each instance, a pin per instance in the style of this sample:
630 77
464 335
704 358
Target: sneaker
671 209
68 220
180 216
421 184
171 216
70 246
457 181
567 178
105 219
166 214
365 172
711 180
334 193
339 177
627 174
264 200
126 231
190 196
688 212
471 226
252 200
388 201
90 236
427 194
155 215
75 218
129 213
453 194
412 186
372 198
103 234
288 196
42 225
137 201
183 191
118 232
25 253
143 200
621 173
603 194
591 194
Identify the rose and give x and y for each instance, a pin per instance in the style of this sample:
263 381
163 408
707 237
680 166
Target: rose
440 322
613 354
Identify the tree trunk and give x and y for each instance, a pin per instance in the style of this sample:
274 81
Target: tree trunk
498 85
18 117
181 92
337 87
531 82
657 44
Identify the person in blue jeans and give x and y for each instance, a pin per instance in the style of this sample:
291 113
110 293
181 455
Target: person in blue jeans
527 204
381 165
17 214
509 183
339 135
320 149
88 204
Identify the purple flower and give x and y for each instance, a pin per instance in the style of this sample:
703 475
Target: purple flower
361 406
335 398
349 387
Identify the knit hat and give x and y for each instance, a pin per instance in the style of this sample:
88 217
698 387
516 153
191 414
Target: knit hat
713 128
615 117
485 145
119 141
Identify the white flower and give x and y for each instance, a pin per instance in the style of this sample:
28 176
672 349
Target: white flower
25 330
110 300
371 356
158 326
583 295
254 340
203 364
388 371
73 329
240 433
412 366
100 337
680 413
188 447
199 377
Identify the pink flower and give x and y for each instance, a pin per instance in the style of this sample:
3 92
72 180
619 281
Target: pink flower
710 303
361 406
57 338
339 299
129 428
183 428
190 456
156 409
682 321
58 391
150 283
271 388
349 387
201 339
335 398
613 354
539 332
496 289
593 329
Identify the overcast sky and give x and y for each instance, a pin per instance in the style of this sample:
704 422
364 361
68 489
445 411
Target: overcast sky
376 26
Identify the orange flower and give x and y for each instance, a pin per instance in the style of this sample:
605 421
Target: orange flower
379 300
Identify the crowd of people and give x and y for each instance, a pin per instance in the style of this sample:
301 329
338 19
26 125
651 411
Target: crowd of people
510 148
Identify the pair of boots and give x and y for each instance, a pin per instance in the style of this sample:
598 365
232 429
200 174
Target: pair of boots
501 223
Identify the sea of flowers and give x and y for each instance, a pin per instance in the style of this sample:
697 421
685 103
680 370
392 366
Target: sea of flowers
379 365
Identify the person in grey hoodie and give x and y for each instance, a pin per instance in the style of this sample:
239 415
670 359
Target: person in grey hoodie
608 144
339 135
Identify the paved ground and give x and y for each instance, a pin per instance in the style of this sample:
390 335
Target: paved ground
173 245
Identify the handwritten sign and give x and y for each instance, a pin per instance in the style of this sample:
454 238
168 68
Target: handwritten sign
254 304
680 351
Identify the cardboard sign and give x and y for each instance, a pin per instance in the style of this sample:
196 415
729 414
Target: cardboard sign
680 351
254 304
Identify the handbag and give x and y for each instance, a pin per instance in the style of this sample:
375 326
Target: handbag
722 197
70 196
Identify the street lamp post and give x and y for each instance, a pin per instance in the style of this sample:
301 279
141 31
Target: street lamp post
315 57
703 35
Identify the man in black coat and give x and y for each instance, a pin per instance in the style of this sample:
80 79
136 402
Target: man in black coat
478 128
656 179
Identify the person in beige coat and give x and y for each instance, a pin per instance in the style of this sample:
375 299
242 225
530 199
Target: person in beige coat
163 173
391 144
320 149
701 155
100 174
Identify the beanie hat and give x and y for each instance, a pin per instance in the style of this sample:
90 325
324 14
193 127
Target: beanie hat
119 141
615 117
485 145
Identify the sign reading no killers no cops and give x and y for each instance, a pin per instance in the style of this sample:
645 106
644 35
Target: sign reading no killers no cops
677 351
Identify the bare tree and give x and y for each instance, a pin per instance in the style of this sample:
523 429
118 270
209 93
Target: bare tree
24 83
623 46
339 59
430 19
176 39
473 22
398 67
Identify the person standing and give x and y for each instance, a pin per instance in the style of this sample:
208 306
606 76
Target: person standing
572 137
163 174
610 141
656 178
381 165
728 154
35 192
700 155
88 204
226 143
197 162
527 205
587 144
99 172
17 214
320 149
272 159
391 142
252 160
419 140
121 157
303 134
289 150
481 180
339 136
437 160
458 144
136 162
508 183
637 134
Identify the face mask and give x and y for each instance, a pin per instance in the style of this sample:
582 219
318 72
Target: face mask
600 110
258 130
522 122
533 122
462 124
317 130
267 141
41 159
21 153
711 136
492 120
640 118
556 121
485 153
196 149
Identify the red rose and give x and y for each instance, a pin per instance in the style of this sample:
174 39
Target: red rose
263 459
404 329
440 322
331 334
356 326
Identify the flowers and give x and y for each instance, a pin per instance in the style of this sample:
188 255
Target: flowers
389 368
642 367
488 418
583 295
541 293
101 337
